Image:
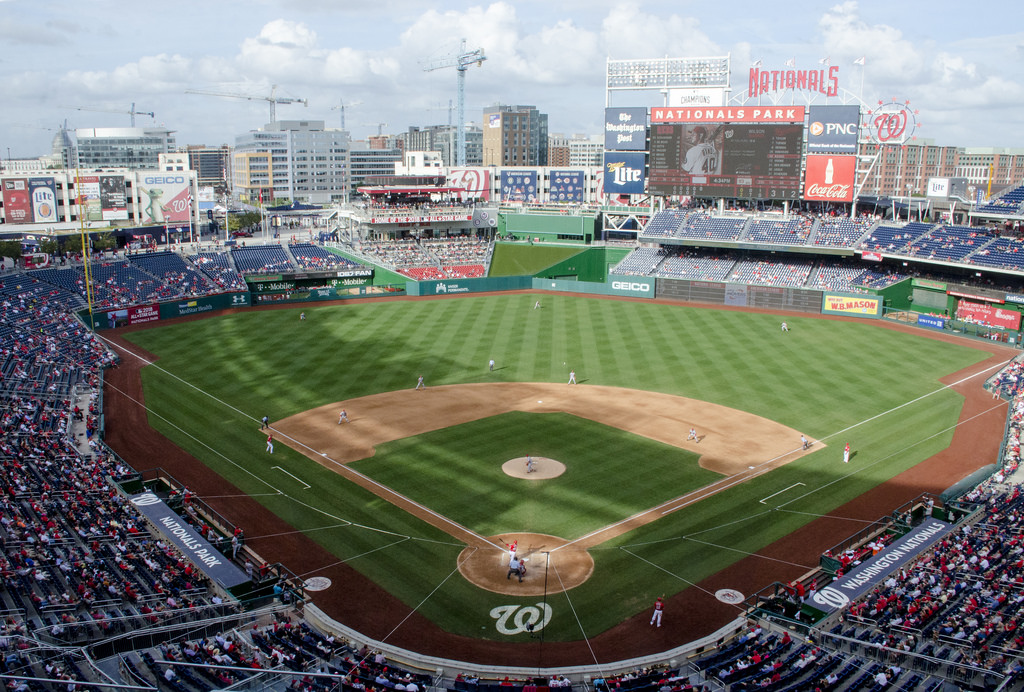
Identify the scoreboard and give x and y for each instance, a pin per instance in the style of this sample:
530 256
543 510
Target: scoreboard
725 159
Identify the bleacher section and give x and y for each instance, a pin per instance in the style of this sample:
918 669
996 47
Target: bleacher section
261 259
317 258
841 232
894 239
217 266
706 227
791 274
1010 203
665 224
792 231
949 243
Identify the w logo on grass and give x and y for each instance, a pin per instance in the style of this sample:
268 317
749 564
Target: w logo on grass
525 619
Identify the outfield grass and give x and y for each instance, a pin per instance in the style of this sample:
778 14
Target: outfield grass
822 377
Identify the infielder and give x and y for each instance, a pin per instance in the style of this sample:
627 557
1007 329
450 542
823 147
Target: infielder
342 417
693 435
659 608
419 383
529 464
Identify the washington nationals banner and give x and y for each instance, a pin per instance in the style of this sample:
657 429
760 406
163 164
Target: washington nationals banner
863 577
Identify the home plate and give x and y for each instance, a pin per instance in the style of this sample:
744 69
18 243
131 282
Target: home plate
539 401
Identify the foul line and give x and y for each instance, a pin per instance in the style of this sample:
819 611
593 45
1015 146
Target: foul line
763 502
308 486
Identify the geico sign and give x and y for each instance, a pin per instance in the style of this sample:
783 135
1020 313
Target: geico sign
164 180
628 286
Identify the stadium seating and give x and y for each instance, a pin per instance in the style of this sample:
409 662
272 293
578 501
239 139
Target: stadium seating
894 239
790 231
841 232
1009 203
948 243
261 259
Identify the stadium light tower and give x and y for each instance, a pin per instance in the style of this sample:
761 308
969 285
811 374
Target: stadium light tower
461 62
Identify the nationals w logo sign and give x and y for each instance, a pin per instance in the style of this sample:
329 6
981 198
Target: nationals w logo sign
525 619
892 123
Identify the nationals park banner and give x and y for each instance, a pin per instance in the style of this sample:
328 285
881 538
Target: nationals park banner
855 304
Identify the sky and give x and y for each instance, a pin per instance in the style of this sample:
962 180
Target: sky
959 66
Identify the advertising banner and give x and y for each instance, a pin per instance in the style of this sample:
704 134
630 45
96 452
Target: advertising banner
933 321
990 315
830 178
633 286
938 187
860 579
44 199
476 182
17 202
566 186
164 197
623 173
851 304
113 200
625 129
833 129
518 185
89 197
871 256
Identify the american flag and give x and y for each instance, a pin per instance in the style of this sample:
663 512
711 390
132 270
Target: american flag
189 200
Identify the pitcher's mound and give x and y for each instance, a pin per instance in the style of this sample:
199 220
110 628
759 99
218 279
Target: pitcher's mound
566 567
543 468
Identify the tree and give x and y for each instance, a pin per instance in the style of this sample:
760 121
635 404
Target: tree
10 248
104 241
49 245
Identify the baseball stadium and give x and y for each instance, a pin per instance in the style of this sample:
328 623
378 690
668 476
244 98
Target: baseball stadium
641 442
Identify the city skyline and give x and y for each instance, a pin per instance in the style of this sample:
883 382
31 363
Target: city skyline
62 60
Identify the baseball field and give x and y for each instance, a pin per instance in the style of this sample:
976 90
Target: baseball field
420 489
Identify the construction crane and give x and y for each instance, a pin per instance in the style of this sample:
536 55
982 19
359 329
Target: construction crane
380 127
342 109
461 62
131 112
273 100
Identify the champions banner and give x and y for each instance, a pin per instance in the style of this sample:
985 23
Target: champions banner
859 305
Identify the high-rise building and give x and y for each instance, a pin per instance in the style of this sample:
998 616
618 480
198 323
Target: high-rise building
134 148
515 136
365 161
211 164
297 160
578 150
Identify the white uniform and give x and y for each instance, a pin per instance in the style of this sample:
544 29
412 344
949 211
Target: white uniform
572 377
701 159
342 417
490 364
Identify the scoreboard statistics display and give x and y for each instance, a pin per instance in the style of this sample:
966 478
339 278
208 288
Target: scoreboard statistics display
722 158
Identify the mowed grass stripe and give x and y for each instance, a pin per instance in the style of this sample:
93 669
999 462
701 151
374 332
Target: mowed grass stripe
724 356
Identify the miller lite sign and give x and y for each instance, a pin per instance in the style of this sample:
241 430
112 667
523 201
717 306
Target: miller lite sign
830 178
623 173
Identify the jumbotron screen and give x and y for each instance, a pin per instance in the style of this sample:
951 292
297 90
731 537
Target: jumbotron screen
726 159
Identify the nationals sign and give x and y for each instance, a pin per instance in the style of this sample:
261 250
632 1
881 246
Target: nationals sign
990 315
830 178
892 123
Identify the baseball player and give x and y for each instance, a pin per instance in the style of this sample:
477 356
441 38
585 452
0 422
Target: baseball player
702 156
512 549
572 377
343 417
659 608
693 435
490 364
266 421
846 453
529 464
515 566
804 442
785 327
419 383
270 443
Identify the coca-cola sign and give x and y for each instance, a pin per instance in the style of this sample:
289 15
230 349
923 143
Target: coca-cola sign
829 178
